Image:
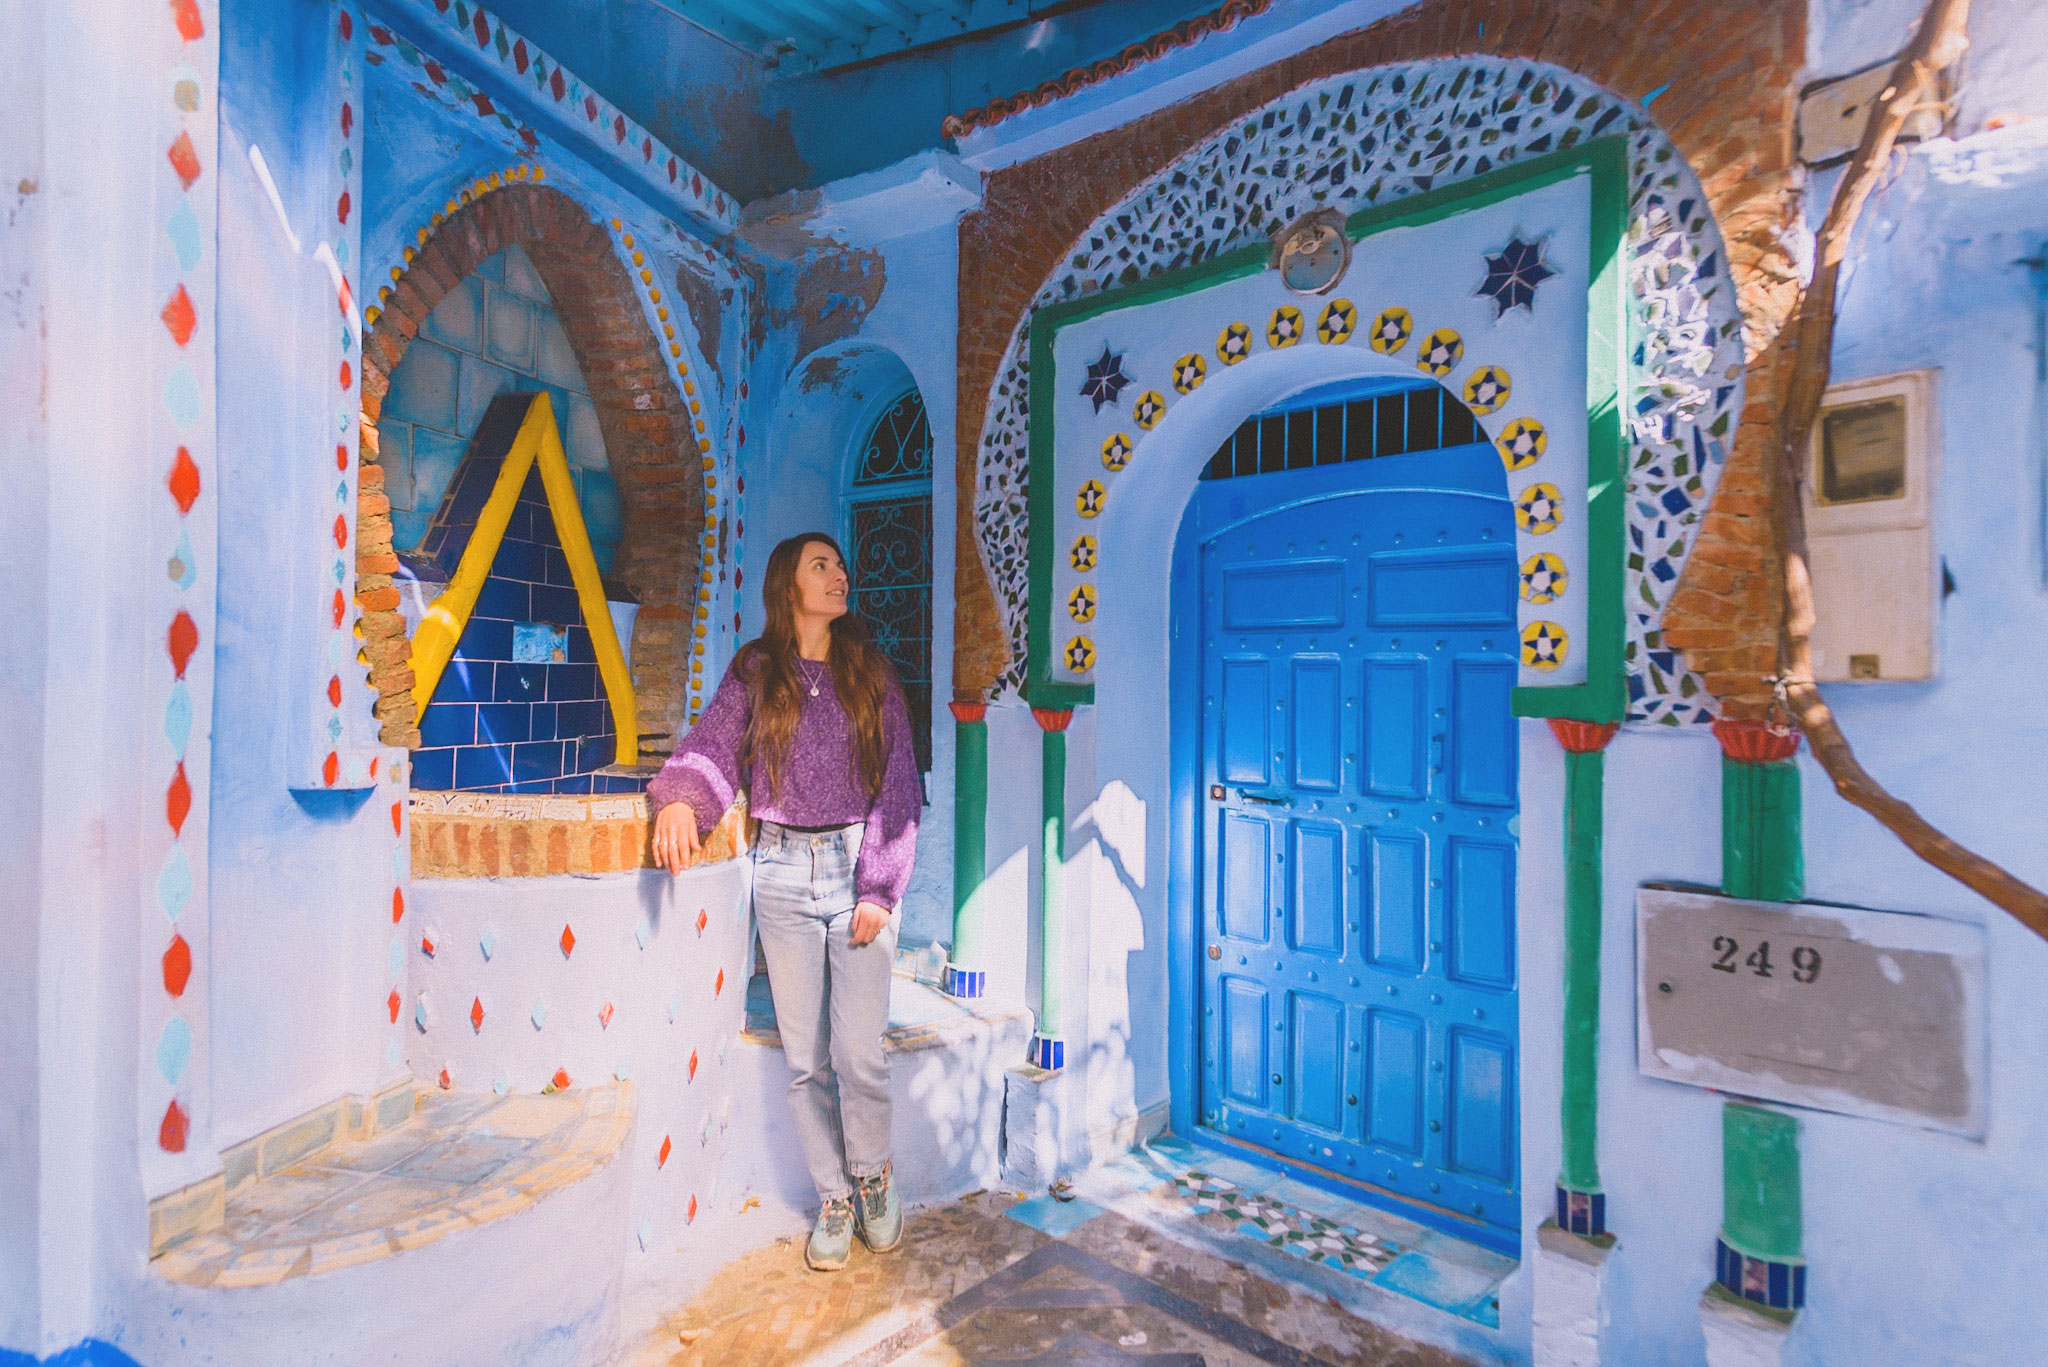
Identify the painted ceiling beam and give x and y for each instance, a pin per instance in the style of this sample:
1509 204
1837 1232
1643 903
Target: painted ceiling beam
826 16
737 23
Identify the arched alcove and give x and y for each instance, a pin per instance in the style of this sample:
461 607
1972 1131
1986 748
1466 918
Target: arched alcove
645 426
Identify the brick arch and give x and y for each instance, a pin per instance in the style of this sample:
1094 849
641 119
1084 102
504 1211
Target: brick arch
646 424
1728 110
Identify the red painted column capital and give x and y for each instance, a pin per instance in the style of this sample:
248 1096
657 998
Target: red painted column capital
1053 718
1756 742
967 712
1583 737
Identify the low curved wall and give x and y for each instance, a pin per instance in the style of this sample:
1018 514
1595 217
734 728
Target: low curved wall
521 984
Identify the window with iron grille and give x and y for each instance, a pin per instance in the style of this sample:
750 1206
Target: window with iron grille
1337 423
889 541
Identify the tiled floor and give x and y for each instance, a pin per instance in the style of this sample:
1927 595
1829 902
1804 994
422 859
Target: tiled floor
462 1160
1225 1203
1169 1257
991 1279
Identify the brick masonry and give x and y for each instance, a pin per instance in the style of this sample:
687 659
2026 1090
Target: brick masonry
647 436
484 835
1731 82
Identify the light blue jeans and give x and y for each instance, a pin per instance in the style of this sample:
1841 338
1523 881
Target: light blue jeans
831 1000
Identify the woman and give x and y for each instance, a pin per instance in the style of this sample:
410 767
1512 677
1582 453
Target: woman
810 720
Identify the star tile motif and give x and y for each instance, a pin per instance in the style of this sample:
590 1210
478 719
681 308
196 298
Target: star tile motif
1522 443
1081 604
1149 409
1234 343
1543 578
1512 276
1539 509
1080 655
1088 502
1285 327
1106 378
1116 452
1488 389
1340 318
1082 556
1441 352
1189 372
1391 329
1544 645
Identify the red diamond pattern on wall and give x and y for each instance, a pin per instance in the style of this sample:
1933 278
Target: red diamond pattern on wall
693 1065
604 1016
476 1014
184 160
568 942
178 800
177 966
171 1134
183 481
391 1004
179 317
661 1159
703 919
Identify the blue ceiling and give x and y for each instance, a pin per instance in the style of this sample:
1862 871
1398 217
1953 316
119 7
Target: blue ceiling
802 36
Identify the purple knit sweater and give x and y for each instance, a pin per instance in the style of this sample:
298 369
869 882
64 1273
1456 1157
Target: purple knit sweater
820 780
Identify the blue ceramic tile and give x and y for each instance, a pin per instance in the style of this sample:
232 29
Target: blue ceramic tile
477 766
466 681
1054 1217
518 560
580 650
556 563
574 719
520 525
595 752
575 783
433 770
448 723
503 598
500 723
539 643
480 383
536 759
523 683
541 722
573 683
423 388
553 603
485 638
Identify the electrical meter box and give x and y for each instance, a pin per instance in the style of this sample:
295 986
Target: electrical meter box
1869 491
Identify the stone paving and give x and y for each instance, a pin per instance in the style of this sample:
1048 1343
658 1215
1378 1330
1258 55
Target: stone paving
462 1160
995 1278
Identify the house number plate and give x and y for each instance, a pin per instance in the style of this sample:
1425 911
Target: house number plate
1869 1013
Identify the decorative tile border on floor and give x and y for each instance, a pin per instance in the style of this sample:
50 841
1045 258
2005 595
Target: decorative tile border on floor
1172 1184
463 1160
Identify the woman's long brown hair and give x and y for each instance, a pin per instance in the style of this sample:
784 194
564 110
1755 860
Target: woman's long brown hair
861 674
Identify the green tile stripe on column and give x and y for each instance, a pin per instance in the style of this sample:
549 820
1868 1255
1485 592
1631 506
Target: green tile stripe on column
1053 806
1760 1201
970 833
1584 780
1761 855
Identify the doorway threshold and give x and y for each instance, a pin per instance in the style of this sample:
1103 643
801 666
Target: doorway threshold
1369 1260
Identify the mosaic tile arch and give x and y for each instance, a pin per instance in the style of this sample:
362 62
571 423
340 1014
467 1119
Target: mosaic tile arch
643 370
1375 136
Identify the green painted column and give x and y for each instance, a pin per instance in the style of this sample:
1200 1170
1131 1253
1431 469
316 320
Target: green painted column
1048 1046
1759 1254
1581 1205
966 974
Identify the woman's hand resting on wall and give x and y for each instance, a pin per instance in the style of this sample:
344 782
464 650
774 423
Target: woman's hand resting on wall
868 920
676 845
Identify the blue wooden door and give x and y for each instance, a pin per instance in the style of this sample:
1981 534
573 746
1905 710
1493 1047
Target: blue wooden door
1356 637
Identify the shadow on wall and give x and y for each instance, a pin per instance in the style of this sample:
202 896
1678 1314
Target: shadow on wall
829 401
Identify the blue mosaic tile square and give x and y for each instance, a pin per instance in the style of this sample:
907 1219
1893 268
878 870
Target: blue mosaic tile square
500 723
1058 1218
572 683
466 681
502 598
577 783
555 564
553 603
522 683
518 560
539 642
448 723
540 722
485 638
537 759
575 719
433 770
478 766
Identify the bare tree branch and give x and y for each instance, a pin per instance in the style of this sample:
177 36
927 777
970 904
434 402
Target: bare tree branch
1937 43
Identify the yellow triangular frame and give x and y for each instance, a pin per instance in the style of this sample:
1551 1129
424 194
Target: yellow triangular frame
433 645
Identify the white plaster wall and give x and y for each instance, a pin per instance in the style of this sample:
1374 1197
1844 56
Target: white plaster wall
2000 76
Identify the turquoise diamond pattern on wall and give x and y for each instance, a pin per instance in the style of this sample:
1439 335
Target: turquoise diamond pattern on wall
1371 138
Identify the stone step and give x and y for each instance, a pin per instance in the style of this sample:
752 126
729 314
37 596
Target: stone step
463 1160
